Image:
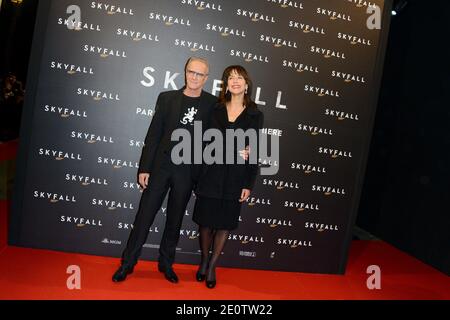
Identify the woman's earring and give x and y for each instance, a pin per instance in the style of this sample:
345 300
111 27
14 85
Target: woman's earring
246 90
226 91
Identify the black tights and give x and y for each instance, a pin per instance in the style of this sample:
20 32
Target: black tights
217 239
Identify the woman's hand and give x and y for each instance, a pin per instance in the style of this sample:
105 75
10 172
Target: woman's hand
244 195
245 153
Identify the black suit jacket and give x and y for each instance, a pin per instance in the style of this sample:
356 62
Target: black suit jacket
165 120
226 181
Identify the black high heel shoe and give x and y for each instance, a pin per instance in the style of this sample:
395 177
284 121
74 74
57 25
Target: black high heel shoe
200 277
211 283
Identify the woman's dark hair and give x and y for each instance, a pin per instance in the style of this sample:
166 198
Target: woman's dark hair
225 97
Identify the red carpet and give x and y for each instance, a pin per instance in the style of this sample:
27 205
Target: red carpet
41 274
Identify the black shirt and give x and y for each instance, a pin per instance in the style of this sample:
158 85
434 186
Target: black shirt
188 114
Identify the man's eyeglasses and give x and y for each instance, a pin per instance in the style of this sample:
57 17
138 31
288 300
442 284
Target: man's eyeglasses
195 74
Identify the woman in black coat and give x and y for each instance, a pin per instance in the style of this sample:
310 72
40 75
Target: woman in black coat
223 187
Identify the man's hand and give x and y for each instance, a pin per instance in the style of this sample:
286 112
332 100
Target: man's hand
244 195
143 179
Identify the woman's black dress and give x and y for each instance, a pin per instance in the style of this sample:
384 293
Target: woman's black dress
216 213
220 185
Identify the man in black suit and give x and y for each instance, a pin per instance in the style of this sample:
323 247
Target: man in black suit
158 174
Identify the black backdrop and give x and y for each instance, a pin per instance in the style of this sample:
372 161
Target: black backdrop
405 196
90 99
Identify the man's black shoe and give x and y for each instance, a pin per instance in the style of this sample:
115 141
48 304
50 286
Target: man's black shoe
121 273
169 274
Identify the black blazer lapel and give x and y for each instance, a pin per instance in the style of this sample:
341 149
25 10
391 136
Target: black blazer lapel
175 113
203 105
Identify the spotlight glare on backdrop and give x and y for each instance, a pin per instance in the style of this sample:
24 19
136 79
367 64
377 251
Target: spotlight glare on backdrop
398 6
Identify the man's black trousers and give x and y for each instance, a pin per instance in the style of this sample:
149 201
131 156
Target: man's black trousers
177 180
